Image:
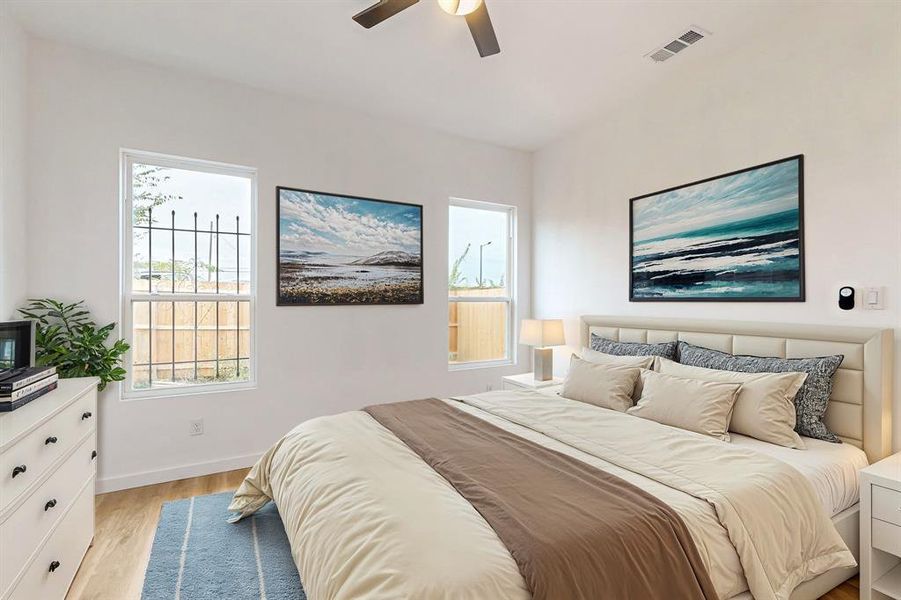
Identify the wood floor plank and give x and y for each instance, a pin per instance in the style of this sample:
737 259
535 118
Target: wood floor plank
114 566
846 591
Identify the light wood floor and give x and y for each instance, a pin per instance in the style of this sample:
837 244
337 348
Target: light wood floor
113 568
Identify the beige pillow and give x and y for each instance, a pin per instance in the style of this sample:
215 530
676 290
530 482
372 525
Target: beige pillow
607 386
601 358
765 407
699 406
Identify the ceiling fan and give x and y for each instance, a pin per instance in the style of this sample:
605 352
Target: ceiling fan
474 11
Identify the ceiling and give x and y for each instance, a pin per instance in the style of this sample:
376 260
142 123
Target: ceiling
561 62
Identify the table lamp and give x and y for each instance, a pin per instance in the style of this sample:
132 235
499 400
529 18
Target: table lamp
541 334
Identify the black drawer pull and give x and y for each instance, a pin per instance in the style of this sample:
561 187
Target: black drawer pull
54 566
19 470
93 454
50 505
50 440
86 415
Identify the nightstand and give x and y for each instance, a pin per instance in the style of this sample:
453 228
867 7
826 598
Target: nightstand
526 381
880 530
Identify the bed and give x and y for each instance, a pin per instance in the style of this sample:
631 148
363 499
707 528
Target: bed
368 518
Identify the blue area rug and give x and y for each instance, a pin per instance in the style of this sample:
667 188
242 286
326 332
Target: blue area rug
197 555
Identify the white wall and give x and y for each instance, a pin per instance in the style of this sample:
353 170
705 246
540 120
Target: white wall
827 86
312 360
13 47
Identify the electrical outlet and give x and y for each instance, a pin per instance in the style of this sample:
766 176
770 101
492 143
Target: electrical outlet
196 427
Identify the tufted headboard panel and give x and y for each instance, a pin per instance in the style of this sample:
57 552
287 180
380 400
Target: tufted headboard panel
860 406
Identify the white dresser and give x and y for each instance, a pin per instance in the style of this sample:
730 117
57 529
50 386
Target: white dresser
47 458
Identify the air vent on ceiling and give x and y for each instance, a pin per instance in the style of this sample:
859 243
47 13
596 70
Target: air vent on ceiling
691 36
670 49
661 55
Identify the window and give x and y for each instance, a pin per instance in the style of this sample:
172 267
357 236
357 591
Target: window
188 273
480 283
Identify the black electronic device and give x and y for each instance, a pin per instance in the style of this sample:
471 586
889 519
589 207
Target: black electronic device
16 344
846 298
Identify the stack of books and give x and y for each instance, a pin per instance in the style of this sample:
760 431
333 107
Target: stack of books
18 387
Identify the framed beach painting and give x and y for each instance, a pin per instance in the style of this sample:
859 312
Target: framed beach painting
737 237
336 250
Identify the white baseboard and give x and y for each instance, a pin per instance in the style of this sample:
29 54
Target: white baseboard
124 482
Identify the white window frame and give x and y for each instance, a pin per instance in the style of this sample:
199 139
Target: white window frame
510 298
127 159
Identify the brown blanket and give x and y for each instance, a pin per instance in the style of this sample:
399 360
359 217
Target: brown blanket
574 531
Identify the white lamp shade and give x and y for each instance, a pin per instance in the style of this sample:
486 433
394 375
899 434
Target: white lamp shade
541 332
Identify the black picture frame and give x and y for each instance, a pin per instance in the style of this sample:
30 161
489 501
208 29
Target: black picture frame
801 297
280 301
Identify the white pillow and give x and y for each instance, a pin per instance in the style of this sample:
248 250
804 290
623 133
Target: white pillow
765 407
699 406
607 386
601 358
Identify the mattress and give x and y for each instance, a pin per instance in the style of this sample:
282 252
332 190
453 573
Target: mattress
832 469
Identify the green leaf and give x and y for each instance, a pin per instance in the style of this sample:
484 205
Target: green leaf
67 338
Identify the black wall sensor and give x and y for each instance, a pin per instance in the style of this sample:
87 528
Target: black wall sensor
846 298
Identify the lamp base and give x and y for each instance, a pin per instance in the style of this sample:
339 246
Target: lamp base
543 364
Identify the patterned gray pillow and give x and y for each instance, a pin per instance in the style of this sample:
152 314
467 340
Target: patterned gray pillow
599 344
812 398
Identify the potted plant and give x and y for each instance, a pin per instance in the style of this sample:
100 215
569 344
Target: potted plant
68 339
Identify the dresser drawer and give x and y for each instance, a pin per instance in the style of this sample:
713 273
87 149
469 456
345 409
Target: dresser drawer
66 547
886 537
23 531
36 451
886 505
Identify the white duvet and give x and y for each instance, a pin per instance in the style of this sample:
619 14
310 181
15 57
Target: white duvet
832 469
367 518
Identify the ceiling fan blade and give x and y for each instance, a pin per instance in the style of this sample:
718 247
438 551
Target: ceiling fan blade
482 31
380 11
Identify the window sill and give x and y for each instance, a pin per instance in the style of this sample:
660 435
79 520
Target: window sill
486 364
179 392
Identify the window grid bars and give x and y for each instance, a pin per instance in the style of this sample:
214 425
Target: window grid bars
172 304
195 307
150 228
217 293
195 328
181 362
183 230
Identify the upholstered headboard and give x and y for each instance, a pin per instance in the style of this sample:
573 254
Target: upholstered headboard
860 406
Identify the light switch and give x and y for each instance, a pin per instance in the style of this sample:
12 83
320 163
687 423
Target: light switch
873 298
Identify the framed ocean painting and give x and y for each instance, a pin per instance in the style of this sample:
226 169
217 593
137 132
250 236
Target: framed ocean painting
336 250
737 237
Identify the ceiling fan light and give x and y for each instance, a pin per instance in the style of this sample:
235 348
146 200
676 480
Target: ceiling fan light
459 8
